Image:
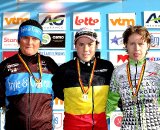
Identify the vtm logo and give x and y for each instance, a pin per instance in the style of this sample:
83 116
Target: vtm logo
15 20
86 21
58 20
122 22
153 18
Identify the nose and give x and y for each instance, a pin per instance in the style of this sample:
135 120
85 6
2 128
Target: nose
30 40
86 48
136 47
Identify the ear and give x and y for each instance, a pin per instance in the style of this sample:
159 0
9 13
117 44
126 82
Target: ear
96 46
125 47
149 45
75 46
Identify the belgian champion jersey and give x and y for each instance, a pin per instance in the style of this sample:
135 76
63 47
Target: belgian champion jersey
83 110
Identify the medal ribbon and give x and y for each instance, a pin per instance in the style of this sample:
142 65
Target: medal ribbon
140 78
29 70
91 77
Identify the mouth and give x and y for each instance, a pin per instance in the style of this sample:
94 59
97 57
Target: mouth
85 55
136 54
28 47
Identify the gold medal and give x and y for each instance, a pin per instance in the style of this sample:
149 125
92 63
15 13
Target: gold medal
38 85
135 89
85 91
37 80
134 98
85 96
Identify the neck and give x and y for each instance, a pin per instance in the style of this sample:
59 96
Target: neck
88 63
137 62
26 57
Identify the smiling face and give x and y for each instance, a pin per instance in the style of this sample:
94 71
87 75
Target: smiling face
136 47
29 45
86 48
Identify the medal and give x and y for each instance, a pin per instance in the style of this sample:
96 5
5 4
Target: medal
85 91
85 96
134 98
38 85
37 80
135 89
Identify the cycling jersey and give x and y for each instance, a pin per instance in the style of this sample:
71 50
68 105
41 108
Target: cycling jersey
140 112
28 106
83 111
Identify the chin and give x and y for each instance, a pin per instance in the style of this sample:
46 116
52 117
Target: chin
86 59
29 54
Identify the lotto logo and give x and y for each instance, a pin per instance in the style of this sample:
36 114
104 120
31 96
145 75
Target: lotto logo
86 21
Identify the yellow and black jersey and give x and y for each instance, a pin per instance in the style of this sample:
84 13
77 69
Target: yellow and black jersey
80 110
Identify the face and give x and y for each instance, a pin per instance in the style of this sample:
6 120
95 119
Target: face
29 45
86 48
136 47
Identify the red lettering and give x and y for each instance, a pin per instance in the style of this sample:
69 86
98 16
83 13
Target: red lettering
9 40
86 21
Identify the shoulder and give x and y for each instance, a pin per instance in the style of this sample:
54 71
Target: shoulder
49 63
11 59
43 57
47 58
67 64
106 63
153 65
120 68
66 67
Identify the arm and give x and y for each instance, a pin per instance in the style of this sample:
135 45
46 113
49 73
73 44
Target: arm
2 86
113 95
56 79
58 83
2 96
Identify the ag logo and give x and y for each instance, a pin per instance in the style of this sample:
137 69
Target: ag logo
58 20
153 18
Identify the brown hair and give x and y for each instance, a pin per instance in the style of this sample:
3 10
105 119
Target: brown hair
139 30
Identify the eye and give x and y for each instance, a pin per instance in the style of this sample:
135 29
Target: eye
81 44
34 38
90 44
140 44
24 37
131 43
